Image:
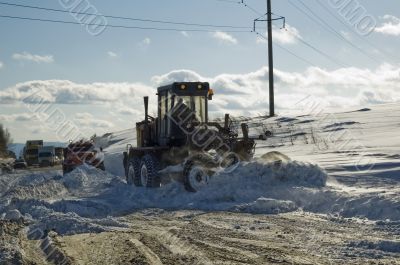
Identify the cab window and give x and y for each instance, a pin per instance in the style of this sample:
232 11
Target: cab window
200 108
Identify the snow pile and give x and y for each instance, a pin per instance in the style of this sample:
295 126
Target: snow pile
12 215
86 179
260 173
65 204
88 200
114 163
267 206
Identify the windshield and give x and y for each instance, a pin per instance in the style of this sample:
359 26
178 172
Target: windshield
45 154
195 103
32 152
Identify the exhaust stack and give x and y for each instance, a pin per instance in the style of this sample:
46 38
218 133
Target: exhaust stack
245 131
226 123
146 109
146 137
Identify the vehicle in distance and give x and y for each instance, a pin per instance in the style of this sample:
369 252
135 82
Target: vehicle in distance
20 164
47 156
31 151
60 153
82 152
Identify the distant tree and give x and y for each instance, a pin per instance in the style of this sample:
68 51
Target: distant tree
5 140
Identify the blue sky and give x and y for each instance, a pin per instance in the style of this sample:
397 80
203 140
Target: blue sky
44 51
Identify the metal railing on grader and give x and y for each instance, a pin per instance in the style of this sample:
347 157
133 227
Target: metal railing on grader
182 135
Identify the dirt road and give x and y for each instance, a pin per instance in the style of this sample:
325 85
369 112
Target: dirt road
186 237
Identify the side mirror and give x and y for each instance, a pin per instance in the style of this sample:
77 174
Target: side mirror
210 94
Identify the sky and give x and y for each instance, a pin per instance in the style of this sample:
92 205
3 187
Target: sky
341 52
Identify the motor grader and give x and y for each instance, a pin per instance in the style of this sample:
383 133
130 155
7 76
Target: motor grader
182 134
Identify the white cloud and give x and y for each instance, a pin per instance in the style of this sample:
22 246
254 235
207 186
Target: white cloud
239 94
145 42
67 92
38 130
287 35
391 26
26 56
224 37
1 65
185 34
177 75
124 110
112 54
248 93
87 120
20 117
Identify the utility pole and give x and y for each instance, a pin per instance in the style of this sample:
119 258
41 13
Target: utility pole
270 61
269 20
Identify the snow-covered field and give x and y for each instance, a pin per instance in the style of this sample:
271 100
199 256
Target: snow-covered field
342 181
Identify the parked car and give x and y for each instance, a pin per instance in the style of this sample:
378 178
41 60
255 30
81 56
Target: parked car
20 164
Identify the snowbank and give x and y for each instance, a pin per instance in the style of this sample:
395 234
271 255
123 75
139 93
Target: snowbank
88 200
267 206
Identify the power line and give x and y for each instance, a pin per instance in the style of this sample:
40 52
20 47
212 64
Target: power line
244 3
117 26
352 29
338 33
301 40
330 58
125 18
320 52
287 50
228 1
328 27
251 8
276 44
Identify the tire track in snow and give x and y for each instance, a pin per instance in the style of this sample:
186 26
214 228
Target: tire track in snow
146 251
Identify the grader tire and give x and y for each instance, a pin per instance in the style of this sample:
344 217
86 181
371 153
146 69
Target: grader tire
197 170
133 172
149 175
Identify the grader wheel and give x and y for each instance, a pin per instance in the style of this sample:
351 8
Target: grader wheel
197 171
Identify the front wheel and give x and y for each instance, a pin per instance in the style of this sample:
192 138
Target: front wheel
195 177
149 175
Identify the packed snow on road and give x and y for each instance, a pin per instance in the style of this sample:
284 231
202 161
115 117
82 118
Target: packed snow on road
329 193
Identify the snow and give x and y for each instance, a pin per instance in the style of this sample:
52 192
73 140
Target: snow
358 150
267 206
360 180
12 215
